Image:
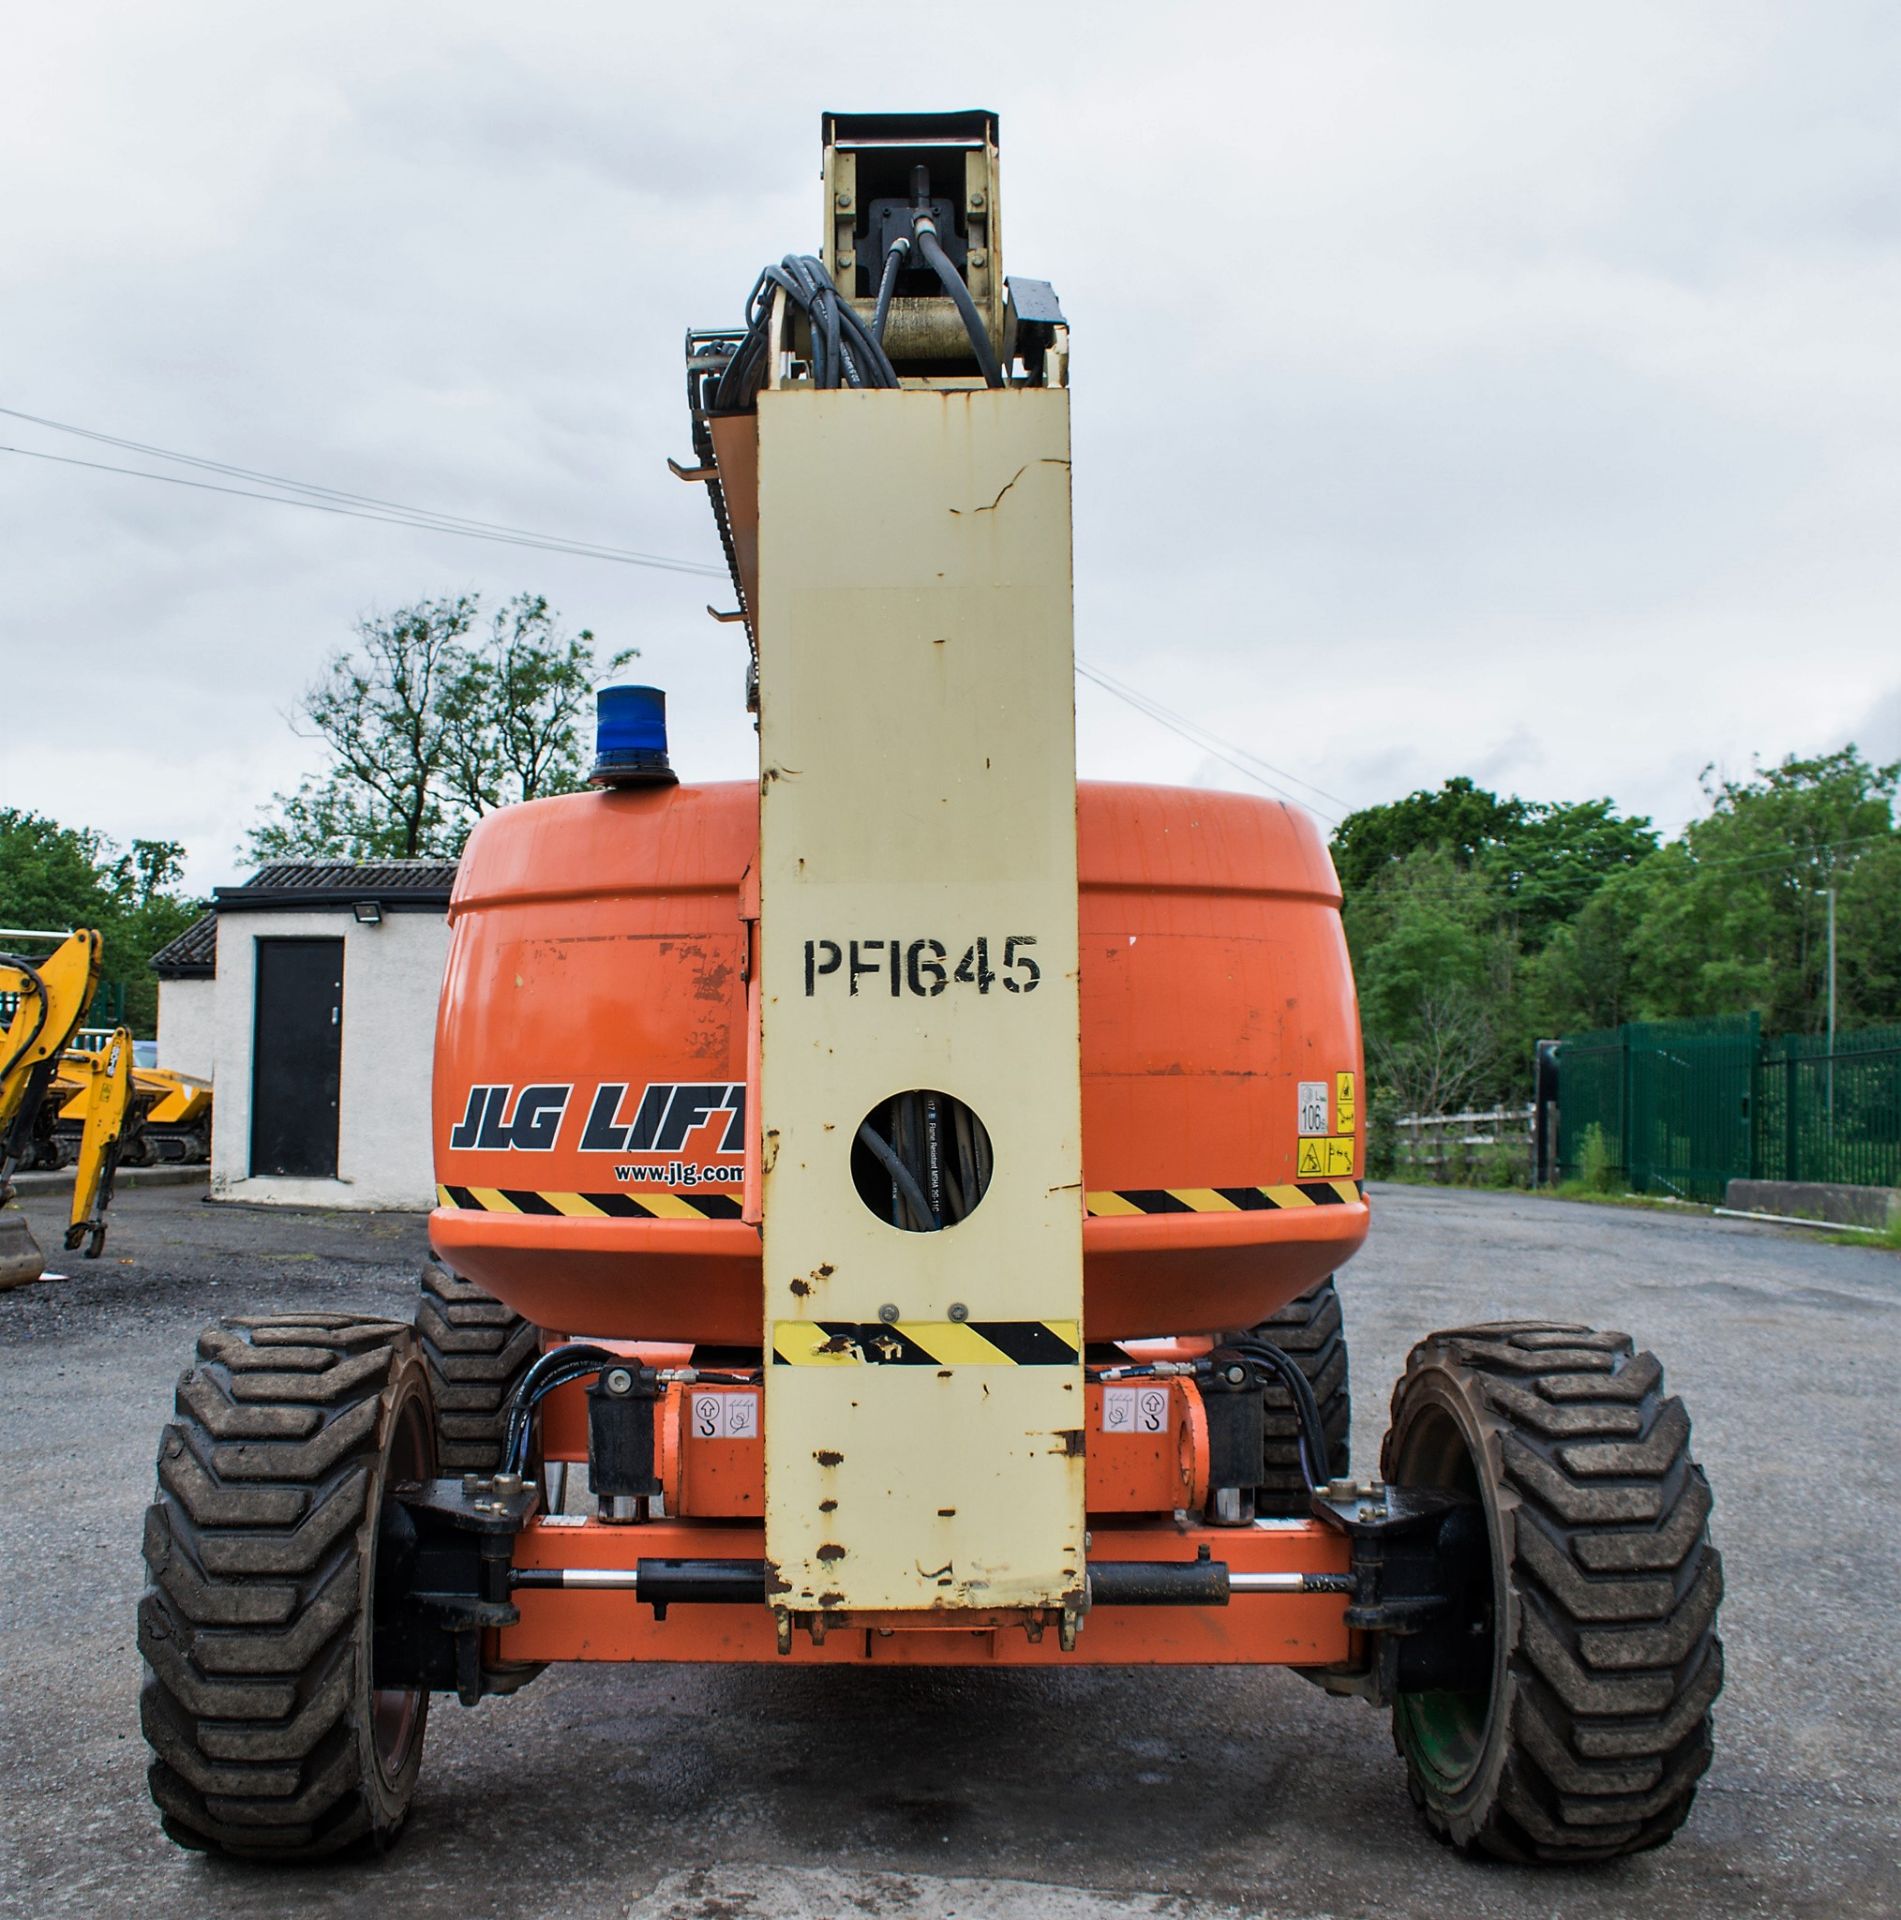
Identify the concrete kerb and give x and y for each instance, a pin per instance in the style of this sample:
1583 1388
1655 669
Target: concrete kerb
61 1180
1872 1208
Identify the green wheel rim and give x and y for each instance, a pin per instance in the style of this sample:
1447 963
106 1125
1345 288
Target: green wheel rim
1443 1730
1445 1733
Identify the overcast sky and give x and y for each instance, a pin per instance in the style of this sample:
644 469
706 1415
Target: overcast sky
1494 389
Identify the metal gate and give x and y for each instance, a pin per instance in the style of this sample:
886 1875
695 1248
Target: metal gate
1831 1115
1674 1101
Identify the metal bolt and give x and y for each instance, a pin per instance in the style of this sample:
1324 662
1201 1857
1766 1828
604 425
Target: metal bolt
978 257
1235 1375
844 200
619 1380
506 1485
472 1484
958 1311
976 203
888 1314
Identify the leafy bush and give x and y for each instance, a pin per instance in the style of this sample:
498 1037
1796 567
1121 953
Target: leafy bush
1597 1170
1382 1137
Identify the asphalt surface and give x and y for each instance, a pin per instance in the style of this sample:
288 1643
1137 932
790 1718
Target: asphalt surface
758 1794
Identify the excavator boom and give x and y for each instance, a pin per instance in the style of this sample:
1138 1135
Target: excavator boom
47 998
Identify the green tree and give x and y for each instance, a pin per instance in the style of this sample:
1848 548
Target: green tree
1583 977
1461 819
1736 915
54 877
438 716
1453 899
1552 859
1435 969
1479 924
1868 936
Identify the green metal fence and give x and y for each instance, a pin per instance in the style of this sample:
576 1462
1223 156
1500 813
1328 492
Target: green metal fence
1686 1106
1672 1099
1836 1116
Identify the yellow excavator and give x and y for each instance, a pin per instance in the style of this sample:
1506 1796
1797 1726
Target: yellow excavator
170 1118
46 1000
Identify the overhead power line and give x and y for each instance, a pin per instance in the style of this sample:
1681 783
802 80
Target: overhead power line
285 491
336 500
1251 764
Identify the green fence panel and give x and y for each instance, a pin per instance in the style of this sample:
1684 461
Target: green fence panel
1591 1080
1832 1114
1674 1101
1686 1106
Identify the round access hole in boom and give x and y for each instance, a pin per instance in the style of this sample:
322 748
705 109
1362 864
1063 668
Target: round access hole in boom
921 1160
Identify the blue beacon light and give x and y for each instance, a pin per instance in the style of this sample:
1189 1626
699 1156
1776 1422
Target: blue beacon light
630 739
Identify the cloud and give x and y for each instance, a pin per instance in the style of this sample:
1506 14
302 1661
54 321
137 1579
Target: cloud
1879 735
1487 387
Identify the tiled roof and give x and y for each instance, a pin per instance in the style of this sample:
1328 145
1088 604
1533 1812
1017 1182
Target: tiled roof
193 955
399 885
396 885
370 879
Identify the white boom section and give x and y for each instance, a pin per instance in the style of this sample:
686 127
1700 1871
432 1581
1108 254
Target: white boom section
917 740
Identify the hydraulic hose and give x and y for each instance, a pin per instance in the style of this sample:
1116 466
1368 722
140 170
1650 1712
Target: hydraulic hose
902 1177
887 285
554 1369
845 351
953 282
37 987
1312 1437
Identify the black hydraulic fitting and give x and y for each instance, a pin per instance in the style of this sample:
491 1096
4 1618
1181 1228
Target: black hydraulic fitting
670 1583
1231 1386
620 1432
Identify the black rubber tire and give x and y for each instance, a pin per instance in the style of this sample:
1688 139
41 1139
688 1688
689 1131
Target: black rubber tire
1604 1592
476 1350
256 1622
1312 1332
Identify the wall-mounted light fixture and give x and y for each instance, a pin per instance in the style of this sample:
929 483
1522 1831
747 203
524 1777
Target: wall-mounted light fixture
369 913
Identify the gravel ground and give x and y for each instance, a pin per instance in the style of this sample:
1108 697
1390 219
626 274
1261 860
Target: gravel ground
758 1794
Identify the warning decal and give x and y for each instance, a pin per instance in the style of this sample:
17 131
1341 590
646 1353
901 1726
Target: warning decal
1345 1102
1135 1409
1313 1106
726 1416
1327 1159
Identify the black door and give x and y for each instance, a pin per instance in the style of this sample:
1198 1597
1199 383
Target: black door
297 1058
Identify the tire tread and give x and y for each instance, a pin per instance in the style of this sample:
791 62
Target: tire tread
1613 1660
1311 1330
254 1548
476 1349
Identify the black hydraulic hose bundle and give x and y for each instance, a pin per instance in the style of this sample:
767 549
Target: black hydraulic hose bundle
14 1143
561 1367
556 1368
43 1002
845 351
1312 1435
936 1153
904 1183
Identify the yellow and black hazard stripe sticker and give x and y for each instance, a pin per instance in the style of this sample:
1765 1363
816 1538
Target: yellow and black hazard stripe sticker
1307 1193
708 1203
926 1343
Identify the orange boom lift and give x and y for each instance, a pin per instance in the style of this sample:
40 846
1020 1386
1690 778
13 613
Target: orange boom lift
889 1208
